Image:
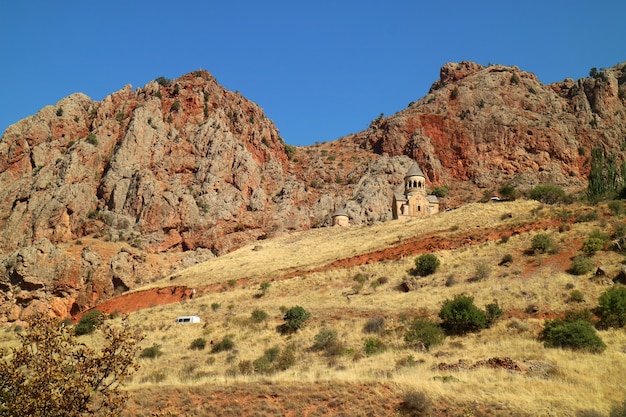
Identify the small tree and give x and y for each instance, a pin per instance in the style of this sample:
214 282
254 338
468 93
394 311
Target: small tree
294 319
577 335
592 245
460 315
52 374
88 322
581 265
612 307
542 243
508 192
423 332
426 264
548 194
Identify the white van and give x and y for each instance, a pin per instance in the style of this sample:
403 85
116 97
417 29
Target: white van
188 319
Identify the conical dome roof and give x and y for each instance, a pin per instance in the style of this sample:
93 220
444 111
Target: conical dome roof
340 212
414 171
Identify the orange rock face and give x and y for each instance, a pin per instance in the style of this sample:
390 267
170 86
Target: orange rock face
181 170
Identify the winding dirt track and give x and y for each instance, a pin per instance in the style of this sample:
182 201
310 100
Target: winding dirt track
135 301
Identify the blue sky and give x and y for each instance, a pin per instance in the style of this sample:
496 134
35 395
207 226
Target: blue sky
320 69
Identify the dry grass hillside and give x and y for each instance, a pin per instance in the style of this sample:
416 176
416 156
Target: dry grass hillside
349 281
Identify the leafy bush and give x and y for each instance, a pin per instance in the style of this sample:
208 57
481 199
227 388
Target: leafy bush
163 81
542 243
375 325
581 265
441 191
50 373
460 315
373 346
223 345
616 207
426 264
492 313
198 344
612 307
290 151
60 111
91 138
592 245
618 410
576 296
294 319
423 332
506 259
508 192
176 106
258 316
576 335
151 352
548 194
88 323
326 340
273 360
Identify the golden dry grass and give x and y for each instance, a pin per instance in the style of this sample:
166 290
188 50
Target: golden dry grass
565 383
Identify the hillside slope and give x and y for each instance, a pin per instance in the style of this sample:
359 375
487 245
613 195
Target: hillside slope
98 198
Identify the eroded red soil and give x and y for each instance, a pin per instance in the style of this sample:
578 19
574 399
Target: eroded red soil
134 301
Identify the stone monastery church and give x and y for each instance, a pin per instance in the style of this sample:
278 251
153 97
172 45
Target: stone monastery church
414 202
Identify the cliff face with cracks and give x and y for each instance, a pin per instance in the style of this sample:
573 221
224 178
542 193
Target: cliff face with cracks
100 197
495 124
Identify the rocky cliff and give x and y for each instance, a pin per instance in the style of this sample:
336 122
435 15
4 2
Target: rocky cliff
99 197
495 124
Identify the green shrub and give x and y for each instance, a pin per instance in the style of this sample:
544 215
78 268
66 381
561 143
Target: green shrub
198 344
290 151
508 192
612 307
325 340
375 325
264 287
294 319
618 410
423 332
592 245
616 207
514 79
576 296
88 322
163 81
373 346
274 360
454 93
576 335
592 216
60 111
91 138
223 345
506 259
426 264
493 312
151 352
548 194
542 243
215 306
581 265
441 191
460 315
176 106
258 316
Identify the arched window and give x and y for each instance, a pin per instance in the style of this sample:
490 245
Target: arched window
419 208
420 184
